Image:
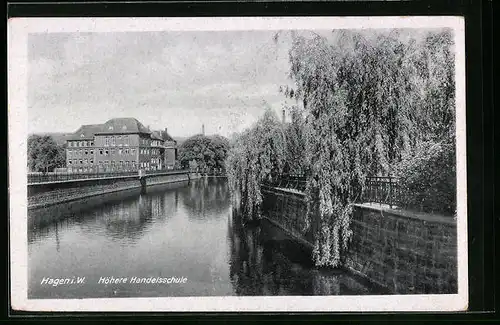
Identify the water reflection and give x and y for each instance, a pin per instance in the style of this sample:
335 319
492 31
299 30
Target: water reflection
207 196
188 230
264 261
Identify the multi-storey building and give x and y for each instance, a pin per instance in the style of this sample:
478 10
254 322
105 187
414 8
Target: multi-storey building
120 144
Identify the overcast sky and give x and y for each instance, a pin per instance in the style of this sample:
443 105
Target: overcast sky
176 80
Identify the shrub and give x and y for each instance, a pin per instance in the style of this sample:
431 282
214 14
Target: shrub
428 179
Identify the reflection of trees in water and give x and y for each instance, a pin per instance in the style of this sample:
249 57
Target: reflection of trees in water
257 266
206 197
125 215
261 265
50 220
127 219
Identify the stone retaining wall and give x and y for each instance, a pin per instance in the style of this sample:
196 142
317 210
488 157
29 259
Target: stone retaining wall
41 195
405 252
75 190
165 179
402 251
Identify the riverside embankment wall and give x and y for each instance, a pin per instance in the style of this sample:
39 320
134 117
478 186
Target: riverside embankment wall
404 252
41 195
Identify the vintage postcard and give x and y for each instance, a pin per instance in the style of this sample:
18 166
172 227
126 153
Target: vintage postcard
271 164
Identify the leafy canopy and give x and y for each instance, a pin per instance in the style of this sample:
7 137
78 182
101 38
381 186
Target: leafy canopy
44 154
205 152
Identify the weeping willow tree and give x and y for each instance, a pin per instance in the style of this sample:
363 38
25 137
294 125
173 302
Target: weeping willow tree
255 155
295 141
370 100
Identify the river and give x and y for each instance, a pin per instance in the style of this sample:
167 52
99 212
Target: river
184 232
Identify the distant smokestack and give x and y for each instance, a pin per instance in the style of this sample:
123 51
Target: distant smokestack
166 130
283 115
203 129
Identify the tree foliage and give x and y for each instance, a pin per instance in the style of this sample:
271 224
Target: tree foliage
295 133
44 154
428 179
370 101
204 152
256 155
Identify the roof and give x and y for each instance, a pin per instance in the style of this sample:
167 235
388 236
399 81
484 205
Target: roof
123 125
155 135
86 132
117 126
166 137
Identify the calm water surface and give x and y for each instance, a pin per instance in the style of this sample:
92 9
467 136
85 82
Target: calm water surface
183 230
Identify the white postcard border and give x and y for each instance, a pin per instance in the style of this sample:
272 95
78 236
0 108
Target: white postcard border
18 30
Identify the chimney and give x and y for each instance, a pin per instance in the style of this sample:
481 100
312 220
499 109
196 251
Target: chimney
166 131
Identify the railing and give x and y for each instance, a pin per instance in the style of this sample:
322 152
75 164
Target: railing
378 189
210 171
35 178
382 190
166 171
295 182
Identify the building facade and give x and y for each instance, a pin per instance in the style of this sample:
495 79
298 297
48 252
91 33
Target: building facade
120 144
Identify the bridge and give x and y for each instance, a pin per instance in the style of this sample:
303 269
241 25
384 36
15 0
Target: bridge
47 189
48 178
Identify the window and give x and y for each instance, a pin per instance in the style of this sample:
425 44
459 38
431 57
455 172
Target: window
91 152
84 143
100 162
91 143
106 141
85 161
81 161
100 151
112 162
119 151
113 151
106 152
86 152
126 151
91 161
70 162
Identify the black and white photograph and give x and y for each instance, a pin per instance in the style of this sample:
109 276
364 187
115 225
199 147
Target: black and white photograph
237 164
